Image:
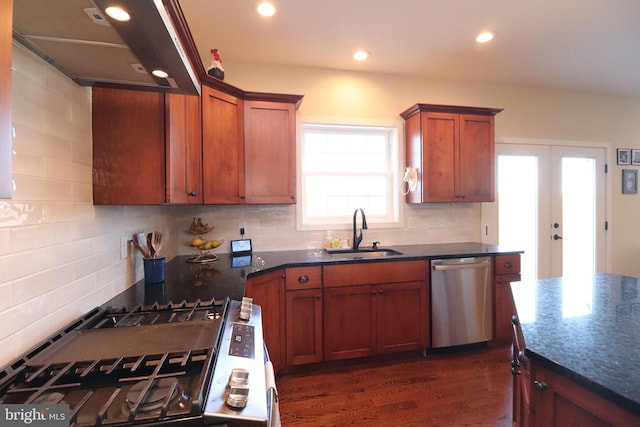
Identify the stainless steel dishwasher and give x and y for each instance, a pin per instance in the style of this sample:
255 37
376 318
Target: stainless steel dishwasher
461 307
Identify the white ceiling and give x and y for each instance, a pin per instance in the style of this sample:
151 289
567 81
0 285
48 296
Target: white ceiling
586 45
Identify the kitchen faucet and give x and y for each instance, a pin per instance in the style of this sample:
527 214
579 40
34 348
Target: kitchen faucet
358 238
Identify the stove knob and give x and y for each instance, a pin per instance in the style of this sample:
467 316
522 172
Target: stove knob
238 396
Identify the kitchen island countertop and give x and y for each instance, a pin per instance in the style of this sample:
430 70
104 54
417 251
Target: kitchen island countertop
586 329
227 276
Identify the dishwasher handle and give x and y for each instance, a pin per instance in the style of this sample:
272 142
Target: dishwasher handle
444 267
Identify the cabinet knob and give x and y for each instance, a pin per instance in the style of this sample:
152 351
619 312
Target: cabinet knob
317 297
192 194
293 197
508 265
540 385
303 278
515 320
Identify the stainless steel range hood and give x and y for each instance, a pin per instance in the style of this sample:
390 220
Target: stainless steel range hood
78 38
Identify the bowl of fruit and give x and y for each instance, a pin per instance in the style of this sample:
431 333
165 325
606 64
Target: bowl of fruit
202 248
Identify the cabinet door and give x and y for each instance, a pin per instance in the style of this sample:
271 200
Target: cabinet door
183 148
439 162
128 147
270 152
267 290
559 402
475 170
304 326
349 323
402 317
222 148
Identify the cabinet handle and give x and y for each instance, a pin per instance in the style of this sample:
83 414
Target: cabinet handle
515 320
303 279
540 385
317 297
508 265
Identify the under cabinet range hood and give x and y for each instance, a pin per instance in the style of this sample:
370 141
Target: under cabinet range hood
91 48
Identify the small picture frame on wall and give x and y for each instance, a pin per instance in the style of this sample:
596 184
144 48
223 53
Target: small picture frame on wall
624 156
635 157
629 181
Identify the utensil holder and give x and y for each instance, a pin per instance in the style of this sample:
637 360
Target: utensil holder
153 270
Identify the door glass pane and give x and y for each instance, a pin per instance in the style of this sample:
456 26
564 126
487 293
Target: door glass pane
578 216
518 209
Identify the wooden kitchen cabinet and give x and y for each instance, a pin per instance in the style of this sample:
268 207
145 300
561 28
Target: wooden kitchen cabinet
375 308
128 147
249 149
452 149
270 152
557 401
222 147
183 149
303 315
268 291
146 148
506 270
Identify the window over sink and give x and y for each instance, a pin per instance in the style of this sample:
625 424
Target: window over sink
346 167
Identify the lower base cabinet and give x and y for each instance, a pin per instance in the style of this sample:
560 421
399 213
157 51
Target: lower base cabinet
367 320
557 401
304 326
391 314
544 398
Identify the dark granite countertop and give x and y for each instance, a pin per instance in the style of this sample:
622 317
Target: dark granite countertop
587 329
226 277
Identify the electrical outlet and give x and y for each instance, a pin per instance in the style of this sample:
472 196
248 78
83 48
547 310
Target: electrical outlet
243 228
124 247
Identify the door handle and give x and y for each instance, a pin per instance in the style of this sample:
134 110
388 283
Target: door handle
556 237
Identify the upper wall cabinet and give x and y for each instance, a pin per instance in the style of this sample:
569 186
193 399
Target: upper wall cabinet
270 152
226 147
452 149
146 148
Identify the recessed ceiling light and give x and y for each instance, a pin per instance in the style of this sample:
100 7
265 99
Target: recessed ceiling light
361 55
486 36
266 9
160 73
117 13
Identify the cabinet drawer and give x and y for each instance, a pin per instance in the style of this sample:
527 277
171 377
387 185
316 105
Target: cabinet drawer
371 273
507 264
303 278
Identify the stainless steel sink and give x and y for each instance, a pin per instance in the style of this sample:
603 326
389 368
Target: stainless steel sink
362 253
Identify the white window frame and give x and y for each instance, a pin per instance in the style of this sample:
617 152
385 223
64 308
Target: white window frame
396 153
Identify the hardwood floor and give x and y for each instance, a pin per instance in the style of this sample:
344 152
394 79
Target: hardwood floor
465 388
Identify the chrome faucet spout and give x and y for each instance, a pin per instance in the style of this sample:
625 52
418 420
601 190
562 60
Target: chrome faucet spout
357 238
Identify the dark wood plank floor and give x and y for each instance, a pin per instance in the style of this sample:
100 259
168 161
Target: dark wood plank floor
466 388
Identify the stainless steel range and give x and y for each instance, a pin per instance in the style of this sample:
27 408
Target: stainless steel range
163 365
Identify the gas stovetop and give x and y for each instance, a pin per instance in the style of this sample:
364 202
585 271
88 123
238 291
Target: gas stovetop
124 367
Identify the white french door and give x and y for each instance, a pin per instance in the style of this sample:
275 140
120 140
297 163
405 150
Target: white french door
551 204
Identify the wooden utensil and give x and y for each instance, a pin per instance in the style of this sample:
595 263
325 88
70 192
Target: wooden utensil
156 242
143 245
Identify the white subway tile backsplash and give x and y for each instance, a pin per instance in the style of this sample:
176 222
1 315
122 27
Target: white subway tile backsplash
59 254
